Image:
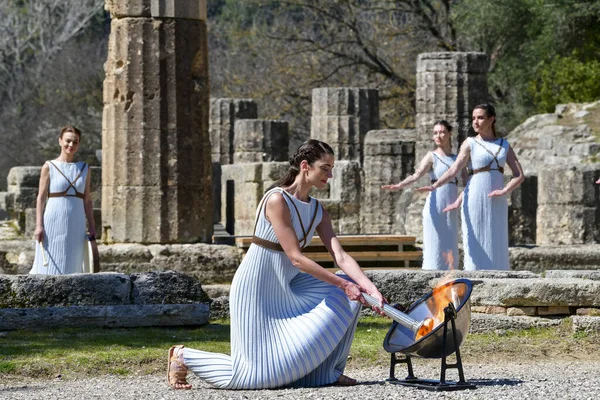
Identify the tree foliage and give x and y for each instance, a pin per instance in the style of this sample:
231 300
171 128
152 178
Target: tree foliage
51 58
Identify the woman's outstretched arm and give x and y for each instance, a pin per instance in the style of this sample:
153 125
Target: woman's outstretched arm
40 204
455 168
422 169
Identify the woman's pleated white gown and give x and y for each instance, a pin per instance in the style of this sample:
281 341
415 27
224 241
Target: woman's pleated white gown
287 327
485 219
440 229
64 223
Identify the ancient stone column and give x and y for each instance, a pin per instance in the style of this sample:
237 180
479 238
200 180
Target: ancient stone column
258 140
223 114
342 117
449 85
389 158
156 162
568 205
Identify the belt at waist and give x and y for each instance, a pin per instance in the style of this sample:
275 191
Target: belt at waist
454 182
485 169
64 194
266 244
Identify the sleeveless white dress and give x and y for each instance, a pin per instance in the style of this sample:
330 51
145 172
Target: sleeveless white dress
287 327
64 221
484 219
440 229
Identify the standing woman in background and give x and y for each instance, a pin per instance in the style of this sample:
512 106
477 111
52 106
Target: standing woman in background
64 202
484 206
440 229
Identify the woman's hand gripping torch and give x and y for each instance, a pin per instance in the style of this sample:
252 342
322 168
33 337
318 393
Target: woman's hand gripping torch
419 328
45 261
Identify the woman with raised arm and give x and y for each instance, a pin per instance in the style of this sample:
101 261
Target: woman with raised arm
440 229
64 202
484 207
292 321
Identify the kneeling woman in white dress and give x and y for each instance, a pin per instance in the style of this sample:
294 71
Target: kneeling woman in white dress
292 321
440 228
484 209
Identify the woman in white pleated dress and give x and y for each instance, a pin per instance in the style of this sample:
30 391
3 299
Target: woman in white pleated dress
440 228
484 209
64 203
292 321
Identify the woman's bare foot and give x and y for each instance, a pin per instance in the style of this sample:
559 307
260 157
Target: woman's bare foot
176 369
344 380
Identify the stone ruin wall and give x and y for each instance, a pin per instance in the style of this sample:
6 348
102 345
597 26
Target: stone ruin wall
554 206
449 85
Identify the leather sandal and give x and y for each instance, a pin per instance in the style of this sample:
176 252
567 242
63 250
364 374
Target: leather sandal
176 370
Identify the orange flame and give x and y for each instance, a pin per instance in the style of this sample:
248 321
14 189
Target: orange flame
441 295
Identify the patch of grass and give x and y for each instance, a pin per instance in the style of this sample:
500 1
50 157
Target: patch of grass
75 353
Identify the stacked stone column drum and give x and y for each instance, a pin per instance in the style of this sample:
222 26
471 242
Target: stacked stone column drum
449 85
568 205
157 184
389 158
341 117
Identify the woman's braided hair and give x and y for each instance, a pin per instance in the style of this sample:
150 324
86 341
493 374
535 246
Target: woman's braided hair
311 151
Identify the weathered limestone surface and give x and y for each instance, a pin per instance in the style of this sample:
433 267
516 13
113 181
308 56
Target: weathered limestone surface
223 115
389 158
341 117
156 148
207 263
193 9
117 316
449 85
581 274
522 212
259 140
568 205
541 258
536 292
586 324
106 299
345 198
564 137
482 323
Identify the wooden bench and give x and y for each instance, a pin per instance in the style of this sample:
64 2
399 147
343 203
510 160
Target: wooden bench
381 250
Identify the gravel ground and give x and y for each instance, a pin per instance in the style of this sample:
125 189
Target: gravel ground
555 380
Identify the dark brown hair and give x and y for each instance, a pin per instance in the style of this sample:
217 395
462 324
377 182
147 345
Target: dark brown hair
490 111
446 125
72 129
312 150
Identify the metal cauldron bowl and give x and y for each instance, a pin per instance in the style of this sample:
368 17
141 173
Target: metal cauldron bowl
400 339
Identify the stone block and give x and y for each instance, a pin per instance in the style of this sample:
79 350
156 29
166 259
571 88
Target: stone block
567 224
188 9
536 293
258 140
449 85
117 316
592 312
522 212
251 172
486 323
64 290
128 8
553 310
166 287
569 185
521 311
341 117
489 310
23 177
587 324
581 274
223 114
